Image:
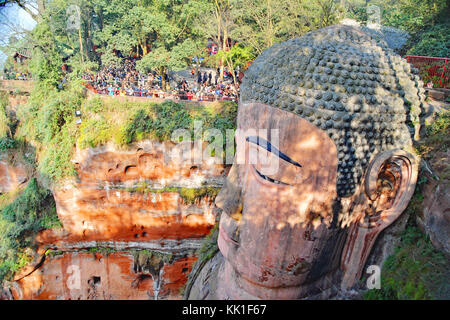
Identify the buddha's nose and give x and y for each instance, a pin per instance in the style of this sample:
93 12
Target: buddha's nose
229 197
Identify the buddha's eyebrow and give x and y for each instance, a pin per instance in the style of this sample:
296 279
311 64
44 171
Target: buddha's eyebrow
266 145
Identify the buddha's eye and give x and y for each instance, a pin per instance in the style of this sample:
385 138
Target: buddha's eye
270 179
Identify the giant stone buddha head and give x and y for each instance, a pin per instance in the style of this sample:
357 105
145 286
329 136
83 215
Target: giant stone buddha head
344 107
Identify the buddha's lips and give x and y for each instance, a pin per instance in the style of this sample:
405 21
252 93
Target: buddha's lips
227 238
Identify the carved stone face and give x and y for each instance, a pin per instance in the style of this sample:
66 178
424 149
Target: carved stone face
278 238
282 234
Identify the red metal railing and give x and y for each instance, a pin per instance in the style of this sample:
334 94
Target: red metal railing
432 69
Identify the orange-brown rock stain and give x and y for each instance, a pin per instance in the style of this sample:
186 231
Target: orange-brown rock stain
84 275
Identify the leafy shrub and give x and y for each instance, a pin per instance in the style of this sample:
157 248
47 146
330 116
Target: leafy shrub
94 132
438 136
161 120
441 125
49 122
55 161
7 143
141 124
3 99
170 116
33 210
46 63
416 271
434 42
4 120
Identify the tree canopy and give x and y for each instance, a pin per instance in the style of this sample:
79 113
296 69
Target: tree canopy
166 34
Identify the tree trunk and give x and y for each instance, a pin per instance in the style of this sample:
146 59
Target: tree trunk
219 37
225 47
270 33
81 44
41 6
36 17
144 49
231 67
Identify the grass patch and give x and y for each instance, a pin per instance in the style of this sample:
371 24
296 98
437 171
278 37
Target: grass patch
209 247
189 195
125 122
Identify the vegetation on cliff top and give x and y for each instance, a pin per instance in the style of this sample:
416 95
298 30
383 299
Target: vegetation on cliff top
49 123
125 122
23 214
426 21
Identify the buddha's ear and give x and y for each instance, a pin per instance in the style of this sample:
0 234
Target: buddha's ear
389 184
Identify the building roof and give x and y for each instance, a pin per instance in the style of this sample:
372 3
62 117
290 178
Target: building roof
26 52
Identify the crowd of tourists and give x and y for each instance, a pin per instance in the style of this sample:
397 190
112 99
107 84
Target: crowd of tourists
126 80
209 87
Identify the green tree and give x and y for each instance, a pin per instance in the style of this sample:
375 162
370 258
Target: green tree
237 56
215 19
261 23
46 62
433 42
173 39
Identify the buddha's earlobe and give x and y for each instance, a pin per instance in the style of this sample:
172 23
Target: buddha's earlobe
389 185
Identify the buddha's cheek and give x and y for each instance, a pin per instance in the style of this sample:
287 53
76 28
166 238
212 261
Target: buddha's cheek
271 207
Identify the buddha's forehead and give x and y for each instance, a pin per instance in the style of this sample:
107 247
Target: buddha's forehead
291 134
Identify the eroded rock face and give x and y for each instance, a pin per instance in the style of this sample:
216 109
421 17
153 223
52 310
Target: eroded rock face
141 205
11 176
136 196
434 216
437 217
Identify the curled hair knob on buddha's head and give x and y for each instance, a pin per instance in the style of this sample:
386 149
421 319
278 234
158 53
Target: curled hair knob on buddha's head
347 83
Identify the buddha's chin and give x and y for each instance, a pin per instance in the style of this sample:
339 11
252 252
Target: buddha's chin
235 286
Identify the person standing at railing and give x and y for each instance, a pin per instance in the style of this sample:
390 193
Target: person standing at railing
205 78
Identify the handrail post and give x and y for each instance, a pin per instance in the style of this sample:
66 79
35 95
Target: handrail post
442 76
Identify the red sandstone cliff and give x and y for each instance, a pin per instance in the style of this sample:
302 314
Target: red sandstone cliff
133 205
